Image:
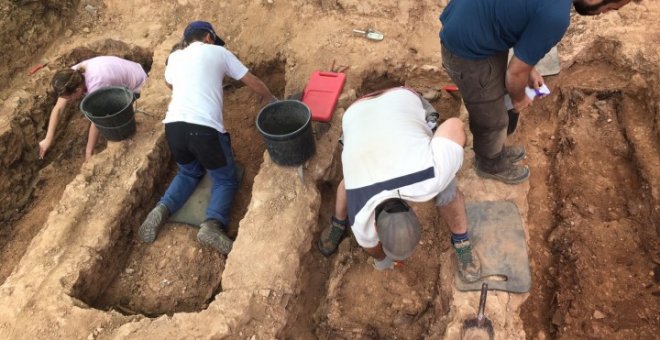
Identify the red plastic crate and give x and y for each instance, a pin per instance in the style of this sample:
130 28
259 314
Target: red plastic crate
322 92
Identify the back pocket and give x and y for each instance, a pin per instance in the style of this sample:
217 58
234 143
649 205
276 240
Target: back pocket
207 148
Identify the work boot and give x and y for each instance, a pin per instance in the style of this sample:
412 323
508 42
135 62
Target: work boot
513 175
331 236
149 228
211 234
469 267
514 153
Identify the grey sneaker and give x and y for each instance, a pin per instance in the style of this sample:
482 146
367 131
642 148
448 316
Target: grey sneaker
331 236
149 228
469 267
513 175
211 234
514 153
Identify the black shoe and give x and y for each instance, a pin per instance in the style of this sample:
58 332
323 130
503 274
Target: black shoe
149 228
331 236
211 234
513 175
514 153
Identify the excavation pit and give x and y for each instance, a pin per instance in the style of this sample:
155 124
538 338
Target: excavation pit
80 275
176 273
593 228
343 296
37 184
592 134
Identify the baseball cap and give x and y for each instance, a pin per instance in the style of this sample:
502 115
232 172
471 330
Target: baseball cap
398 228
204 26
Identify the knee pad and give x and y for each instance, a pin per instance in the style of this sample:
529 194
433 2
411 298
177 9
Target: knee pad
447 195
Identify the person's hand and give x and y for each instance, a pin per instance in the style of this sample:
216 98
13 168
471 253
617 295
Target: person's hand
520 106
44 145
535 79
384 264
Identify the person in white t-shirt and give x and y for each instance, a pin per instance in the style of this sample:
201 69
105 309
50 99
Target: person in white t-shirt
86 77
391 156
195 132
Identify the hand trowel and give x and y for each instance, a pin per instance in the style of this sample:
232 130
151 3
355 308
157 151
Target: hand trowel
370 34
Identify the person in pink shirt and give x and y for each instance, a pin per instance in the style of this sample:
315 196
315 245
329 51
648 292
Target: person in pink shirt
86 77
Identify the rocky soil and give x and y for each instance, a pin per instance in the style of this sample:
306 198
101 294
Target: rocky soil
72 266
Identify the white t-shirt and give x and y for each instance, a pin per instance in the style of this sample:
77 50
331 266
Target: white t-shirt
112 71
389 151
196 73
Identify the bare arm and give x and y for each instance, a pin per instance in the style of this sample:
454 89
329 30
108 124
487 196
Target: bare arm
46 143
517 77
92 138
258 86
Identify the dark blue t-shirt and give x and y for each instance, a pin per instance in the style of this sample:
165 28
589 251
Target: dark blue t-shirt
477 29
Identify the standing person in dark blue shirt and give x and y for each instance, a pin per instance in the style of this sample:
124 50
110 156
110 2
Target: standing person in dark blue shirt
476 36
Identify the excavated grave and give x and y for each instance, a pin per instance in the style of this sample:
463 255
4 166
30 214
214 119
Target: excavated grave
343 297
175 273
85 275
599 138
37 184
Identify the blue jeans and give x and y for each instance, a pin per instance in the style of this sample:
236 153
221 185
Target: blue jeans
225 184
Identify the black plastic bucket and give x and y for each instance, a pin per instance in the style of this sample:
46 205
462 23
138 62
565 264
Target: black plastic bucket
111 110
286 127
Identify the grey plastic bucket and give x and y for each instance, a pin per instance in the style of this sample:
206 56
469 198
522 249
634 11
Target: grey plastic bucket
111 110
286 127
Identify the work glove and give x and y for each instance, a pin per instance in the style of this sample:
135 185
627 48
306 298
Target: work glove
384 264
432 115
513 121
432 120
513 115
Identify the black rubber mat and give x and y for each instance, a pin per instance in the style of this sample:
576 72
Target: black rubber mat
498 237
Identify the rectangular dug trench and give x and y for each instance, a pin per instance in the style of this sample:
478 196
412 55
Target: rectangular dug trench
176 273
602 278
31 187
606 230
343 296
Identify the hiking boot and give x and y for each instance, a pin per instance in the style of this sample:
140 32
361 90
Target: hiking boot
514 153
513 175
211 234
331 236
469 267
149 228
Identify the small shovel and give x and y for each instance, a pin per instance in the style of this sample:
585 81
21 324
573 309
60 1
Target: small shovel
370 34
480 328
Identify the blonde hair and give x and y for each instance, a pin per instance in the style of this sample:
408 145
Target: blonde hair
66 81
